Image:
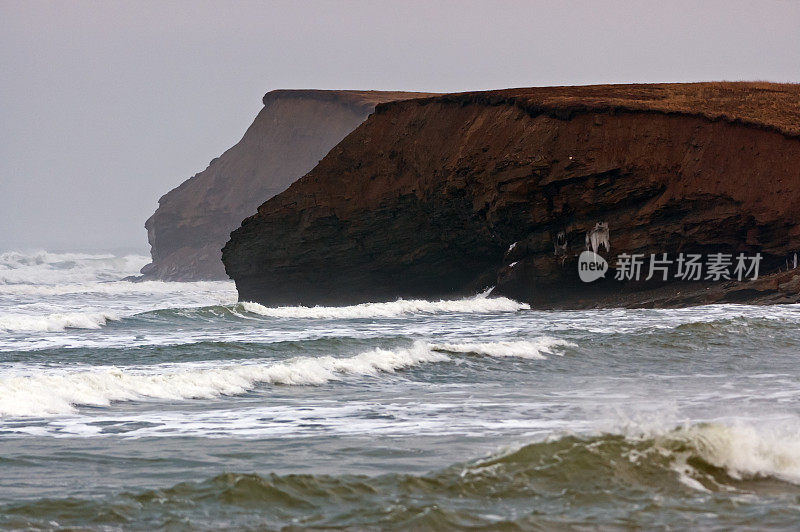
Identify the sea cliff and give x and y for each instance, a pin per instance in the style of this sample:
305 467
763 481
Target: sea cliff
446 195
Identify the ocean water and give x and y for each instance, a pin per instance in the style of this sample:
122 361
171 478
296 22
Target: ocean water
170 405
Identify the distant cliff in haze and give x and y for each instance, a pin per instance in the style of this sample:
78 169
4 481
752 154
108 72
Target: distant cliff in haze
293 131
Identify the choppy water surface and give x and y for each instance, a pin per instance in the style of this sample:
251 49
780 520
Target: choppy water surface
149 405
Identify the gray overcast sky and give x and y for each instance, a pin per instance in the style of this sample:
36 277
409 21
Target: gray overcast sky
105 106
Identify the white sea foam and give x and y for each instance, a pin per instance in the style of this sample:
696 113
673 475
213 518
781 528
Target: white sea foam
44 268
146 288
54 322
743 450
51 393
401 307
531 349
43 292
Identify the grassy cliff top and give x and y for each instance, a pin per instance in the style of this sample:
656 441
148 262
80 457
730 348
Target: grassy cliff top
358 98
774 106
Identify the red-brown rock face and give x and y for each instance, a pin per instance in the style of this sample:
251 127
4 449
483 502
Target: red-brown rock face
293 131
425 198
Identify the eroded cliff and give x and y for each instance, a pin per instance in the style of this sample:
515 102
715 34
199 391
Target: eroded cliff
446 195
293 131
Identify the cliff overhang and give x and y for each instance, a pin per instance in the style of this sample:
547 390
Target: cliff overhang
427 196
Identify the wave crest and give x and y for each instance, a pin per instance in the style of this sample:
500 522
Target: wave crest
531 349
401 307
704 457
54 393
60 393
54 322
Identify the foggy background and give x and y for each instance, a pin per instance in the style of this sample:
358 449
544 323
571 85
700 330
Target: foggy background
105 106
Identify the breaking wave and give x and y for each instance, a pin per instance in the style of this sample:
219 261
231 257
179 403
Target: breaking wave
59 393
532 349
54 322
401 307
632 479
51 393
59 321
742 451
704 457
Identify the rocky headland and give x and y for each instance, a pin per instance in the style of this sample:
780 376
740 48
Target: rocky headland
446 195
293 131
